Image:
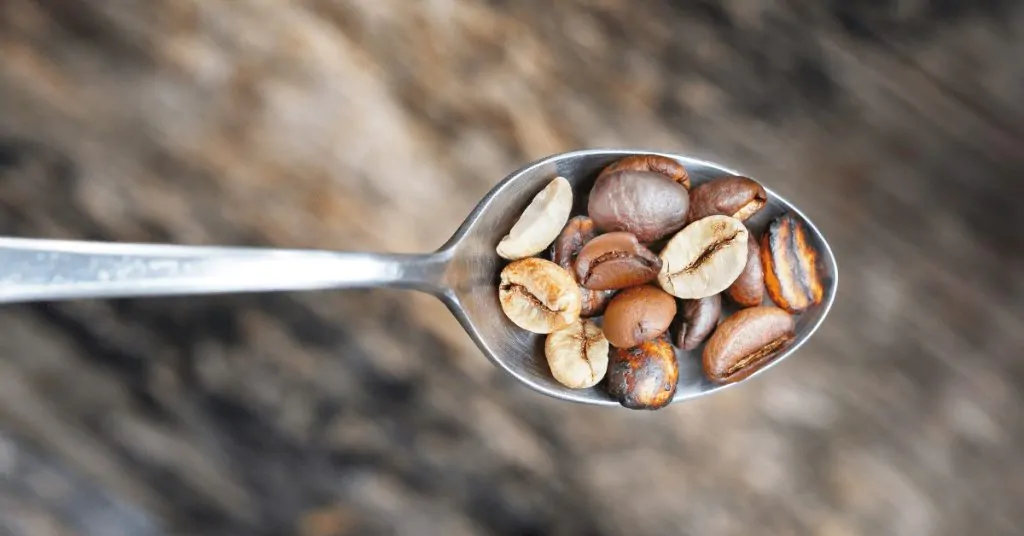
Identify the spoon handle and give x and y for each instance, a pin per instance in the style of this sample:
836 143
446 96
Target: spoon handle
43 270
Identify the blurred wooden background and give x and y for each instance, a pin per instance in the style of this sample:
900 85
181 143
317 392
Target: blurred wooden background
897 125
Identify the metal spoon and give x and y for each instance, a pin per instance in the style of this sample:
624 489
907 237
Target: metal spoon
463 273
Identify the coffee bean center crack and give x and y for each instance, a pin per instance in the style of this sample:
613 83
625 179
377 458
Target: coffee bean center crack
799 271
706 255
584 346
757 355
585 342
524 292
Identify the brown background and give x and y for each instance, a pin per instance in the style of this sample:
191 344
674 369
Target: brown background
897 126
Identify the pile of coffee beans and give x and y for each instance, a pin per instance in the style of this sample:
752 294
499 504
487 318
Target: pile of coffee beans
644 272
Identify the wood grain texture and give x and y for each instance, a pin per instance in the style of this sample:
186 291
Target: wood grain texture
897 126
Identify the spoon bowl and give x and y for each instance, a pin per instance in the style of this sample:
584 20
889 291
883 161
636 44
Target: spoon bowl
474 268
463 273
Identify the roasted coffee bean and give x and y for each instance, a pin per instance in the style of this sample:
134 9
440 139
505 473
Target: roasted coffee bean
647 204
638 314
538 295
704 258
594 302
578 354
615 261
645 376
697 320
540 223
790 265
746 342
739 197
577 232
748 289
649 162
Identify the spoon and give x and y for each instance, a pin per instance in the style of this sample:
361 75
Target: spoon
463 273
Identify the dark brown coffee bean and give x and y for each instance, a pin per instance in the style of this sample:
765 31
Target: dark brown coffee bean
647 204
790 265
697 319
577 232
615 261
739 197
594 302
649 162
748 289
645 376
746 342
638 314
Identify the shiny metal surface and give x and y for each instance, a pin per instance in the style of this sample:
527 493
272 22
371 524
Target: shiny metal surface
34 270
463 273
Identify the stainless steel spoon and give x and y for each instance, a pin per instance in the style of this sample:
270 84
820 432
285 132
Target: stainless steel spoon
463 273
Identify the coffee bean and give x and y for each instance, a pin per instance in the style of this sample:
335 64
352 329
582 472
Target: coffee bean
594 302
697 320
790 265
538 295
647 204
704 258
578 354
540 223
577 232
746 342
615 261
739 197
644 376
638 314
648 162
748 289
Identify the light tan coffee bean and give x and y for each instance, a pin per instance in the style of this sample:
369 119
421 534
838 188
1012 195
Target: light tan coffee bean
540 223
704 258
578 354
539 295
